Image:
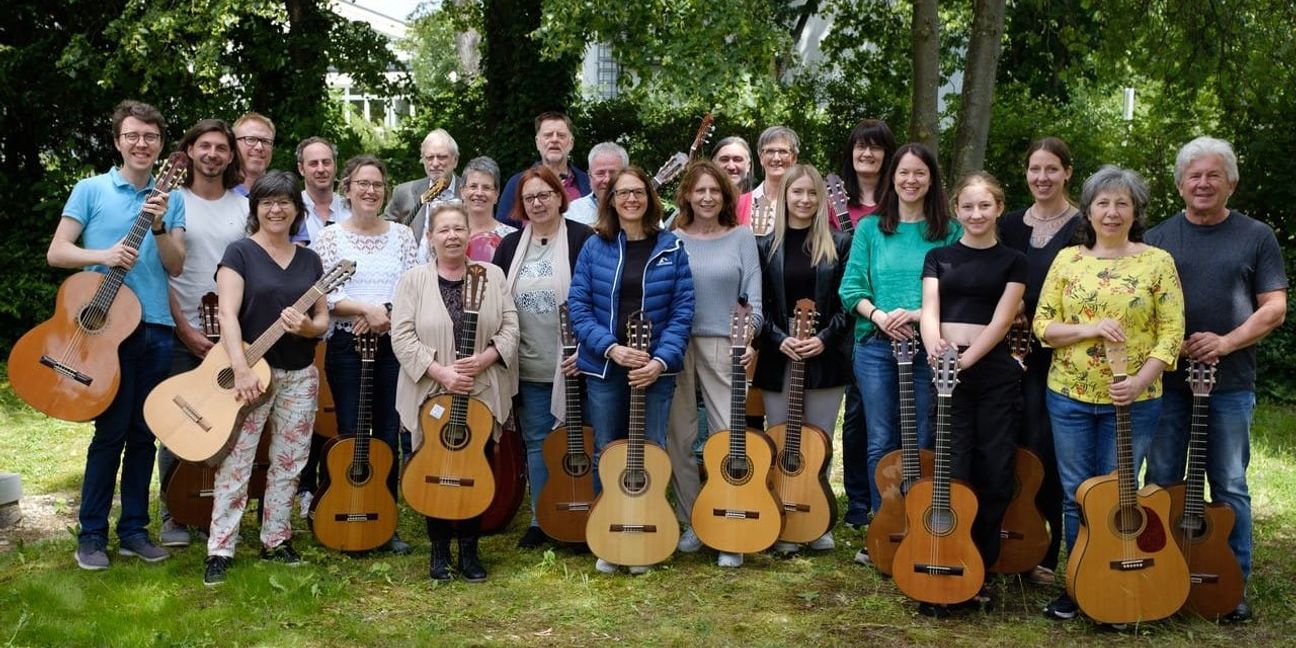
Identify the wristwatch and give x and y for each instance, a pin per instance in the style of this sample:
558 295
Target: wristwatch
159 226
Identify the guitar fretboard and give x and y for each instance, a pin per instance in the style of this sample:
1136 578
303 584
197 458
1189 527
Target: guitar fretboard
464 347
1195 495
364 417
575 417
911 469
1126 480
941 476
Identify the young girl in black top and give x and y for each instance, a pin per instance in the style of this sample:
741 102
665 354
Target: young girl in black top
972 290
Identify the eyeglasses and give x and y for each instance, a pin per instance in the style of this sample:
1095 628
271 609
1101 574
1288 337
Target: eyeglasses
366 185
626 193
542 196
776 152
134 138
253 141
281 203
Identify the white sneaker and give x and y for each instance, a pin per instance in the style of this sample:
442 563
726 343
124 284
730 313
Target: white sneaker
785 548
638 570
862 557
689 541
605 566
729 559
823 542
303 504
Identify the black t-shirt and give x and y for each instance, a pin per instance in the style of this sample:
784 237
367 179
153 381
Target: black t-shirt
632 276
267 290
972 281
798 274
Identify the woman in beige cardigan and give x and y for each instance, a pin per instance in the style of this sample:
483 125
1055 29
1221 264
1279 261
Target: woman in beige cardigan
427 315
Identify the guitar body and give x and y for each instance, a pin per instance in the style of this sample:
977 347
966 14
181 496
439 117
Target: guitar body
190 486
448 477
91 370
736 510
563 508
1125 572
507 460
196 414
631 522
937 561
801 484
888 526
1023 535
325 410
1216 583
353 510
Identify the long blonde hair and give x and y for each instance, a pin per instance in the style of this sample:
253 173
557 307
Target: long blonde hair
820 240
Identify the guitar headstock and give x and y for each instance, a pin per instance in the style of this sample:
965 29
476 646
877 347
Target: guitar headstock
703 136
565 332
172 172
639 332
1201 378
474 289
1019 342
439 185
208 311
762 219
946 374
1116 359
837 200
804 316
339 274
740 325
367 346
671 170
904 349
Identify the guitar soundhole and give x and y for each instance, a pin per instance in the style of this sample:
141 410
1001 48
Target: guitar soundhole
92 318
359 473
791 462
737 470
634 482
454 437
940 522
225 378
1128 521
1193 527
576 465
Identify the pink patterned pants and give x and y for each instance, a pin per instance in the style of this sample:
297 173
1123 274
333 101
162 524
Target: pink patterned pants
290 410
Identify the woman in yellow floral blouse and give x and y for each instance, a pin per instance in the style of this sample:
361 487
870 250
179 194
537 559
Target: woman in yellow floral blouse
1110 288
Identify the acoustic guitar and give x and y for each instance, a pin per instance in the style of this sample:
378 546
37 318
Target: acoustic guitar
1123 568
354 510
632 523
67 366
197 413
736 511
762 215
563 508
448 476
1201 529
803 451
937 561
898 470
1023 534
325 408
839 202
680 160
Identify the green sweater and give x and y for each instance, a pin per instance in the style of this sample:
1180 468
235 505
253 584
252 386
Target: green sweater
887 269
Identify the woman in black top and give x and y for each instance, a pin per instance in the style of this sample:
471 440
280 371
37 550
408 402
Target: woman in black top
972 291
258 281
1041 231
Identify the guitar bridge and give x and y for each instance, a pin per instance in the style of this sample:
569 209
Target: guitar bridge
573 506
736 514
938 570
1007 534
632 528
355 517
465 482
1198 579
191 413
65 370
796 508
1133 564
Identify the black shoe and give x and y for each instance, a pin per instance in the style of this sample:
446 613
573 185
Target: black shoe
1240 614
216 567
534 538
440 569
398 546
1062 608
284 553
470 567
934 611
982 600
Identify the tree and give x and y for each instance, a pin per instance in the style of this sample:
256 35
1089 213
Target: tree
924 125
978 86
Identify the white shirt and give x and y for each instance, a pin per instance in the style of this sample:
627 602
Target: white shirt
312 224
210 226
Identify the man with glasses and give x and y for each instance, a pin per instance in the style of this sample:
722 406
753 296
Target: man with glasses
554 142
317 164
255 134
440 156
100 213
605 160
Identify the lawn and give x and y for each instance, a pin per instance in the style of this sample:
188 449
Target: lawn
553 598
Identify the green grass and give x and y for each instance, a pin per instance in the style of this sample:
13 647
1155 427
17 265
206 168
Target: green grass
555 598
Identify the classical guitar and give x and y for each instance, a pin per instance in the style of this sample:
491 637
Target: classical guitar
325 409
507 459
354 510
839 202
632 523
1201 529
762 216
802 451
736 510
67 366
563 508
197 413
449 477
679 161
899 469
1123 568
1019 343
1023 534
937 561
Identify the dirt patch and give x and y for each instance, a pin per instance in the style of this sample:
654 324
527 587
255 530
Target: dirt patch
43 517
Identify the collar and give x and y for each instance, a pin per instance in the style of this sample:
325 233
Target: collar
114 174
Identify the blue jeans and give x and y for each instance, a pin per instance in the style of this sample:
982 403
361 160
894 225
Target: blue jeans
855 457
1084 437
531 410
1227 455
342 366
879 378
123 440
607 407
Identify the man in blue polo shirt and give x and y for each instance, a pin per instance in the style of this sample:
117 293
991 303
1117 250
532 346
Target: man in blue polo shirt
100 213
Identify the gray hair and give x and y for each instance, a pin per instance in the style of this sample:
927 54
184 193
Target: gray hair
1113 178
609 148
444 136
779 133
1201 147
485 165
301 148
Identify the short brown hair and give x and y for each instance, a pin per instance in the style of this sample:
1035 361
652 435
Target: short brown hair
139 110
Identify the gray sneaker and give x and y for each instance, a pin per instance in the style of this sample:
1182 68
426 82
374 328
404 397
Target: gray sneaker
91 556
143 549
174 535
823 542
689 541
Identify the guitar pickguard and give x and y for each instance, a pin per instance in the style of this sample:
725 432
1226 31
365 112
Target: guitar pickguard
1153 538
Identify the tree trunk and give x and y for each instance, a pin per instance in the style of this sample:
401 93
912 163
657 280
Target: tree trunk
978 86
924 125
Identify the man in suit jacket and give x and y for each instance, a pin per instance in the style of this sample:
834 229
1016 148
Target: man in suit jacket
440 156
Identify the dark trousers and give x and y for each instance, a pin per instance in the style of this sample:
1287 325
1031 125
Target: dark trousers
983 419
438 529
342 365
1036 434
855 475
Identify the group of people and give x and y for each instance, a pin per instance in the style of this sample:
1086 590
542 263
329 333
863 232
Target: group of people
905 262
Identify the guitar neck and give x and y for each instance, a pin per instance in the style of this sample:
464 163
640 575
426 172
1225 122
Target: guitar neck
1126 478
941 474
116 276
364 418
464 347
910 465
257 349
795 406
575 417
737 403
1195 496
635 442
